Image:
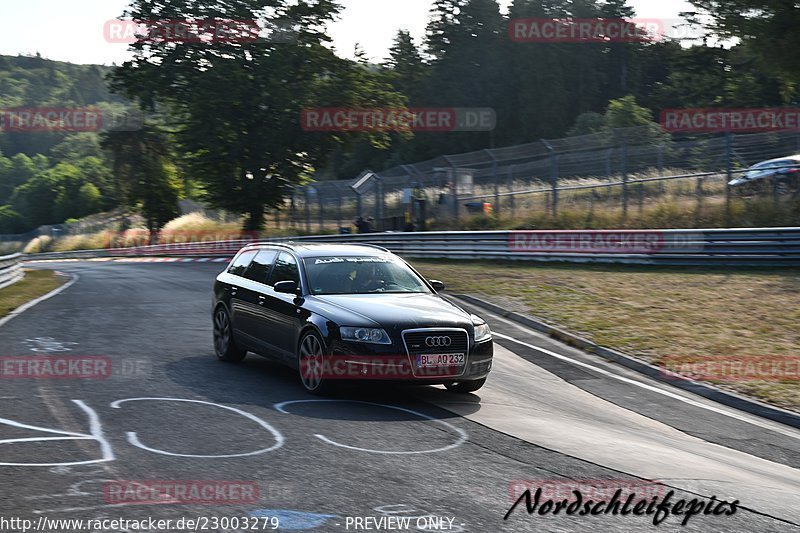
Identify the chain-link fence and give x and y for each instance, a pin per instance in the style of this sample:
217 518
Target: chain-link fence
618 173
624 170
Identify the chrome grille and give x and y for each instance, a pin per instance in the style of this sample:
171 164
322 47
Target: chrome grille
433 341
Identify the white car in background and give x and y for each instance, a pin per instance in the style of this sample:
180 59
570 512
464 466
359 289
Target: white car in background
782 174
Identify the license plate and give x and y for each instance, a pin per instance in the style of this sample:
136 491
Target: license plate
442 359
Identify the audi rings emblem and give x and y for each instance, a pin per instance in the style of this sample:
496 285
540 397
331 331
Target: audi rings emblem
438 342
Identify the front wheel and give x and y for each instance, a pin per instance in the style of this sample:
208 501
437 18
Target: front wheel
224 345
464 387
311 362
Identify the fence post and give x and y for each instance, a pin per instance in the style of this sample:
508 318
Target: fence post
308 209
699 192
455 192
511 201
454 182
293 209
378 203
339 209
553 176
321 211
729 174
554 184
496 207
624 178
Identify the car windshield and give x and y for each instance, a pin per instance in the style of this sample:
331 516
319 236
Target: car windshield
361 275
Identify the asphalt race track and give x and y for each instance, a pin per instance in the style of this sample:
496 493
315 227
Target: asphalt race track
549 416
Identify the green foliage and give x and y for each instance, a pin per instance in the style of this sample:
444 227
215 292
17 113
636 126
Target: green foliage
230 112
48 177
768 27
10 220
146 176
238 105
588 123
626 113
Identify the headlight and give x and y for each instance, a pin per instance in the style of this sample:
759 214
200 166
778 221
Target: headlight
482 331
368 335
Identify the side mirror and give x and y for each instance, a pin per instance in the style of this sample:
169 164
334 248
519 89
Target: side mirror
287 287
437 285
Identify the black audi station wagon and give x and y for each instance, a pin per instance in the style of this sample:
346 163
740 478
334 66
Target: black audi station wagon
346 312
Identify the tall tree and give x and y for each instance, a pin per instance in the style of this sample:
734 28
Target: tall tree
146 177
406 66
238 103
768 26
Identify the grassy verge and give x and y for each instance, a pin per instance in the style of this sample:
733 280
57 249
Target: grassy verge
35 283
660 315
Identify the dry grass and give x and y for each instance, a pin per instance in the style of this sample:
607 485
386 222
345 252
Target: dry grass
36 283
38 245
94 241
197 223
655 314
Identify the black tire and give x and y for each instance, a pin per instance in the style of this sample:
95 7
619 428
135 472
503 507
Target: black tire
464 387
310 364
224 344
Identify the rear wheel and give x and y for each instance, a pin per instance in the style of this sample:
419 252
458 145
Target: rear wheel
463 387
311 362
224 345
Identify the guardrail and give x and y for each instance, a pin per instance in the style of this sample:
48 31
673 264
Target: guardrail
724 247
10 269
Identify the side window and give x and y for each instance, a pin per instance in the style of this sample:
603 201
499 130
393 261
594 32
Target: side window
260 267
241 263
285 270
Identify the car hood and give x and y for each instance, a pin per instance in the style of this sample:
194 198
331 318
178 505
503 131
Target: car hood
393 311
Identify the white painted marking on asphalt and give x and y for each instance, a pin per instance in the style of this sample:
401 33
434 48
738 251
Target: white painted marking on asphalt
21 309
95 433
280 407
651 388
134 439
48 345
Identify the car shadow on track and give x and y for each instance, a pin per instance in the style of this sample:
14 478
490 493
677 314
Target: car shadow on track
262 382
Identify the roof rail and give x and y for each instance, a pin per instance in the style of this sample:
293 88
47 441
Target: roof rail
288 245
381 248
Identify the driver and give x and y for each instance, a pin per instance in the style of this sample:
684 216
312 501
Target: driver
368 278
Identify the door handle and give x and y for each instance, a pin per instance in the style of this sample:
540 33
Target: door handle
262 299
